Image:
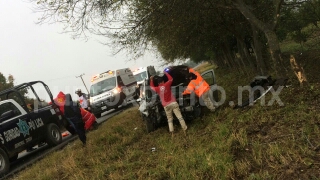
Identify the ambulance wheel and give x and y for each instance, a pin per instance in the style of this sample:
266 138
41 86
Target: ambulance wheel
124 103
54 136
4 163
122 98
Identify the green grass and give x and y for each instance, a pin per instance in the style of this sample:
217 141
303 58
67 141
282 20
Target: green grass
258 142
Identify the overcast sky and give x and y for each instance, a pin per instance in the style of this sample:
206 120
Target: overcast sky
33 52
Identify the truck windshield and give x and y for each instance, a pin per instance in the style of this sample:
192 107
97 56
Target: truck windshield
102 86
141 76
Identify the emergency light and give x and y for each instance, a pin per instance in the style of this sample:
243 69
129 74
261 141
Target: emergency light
94 77
101 75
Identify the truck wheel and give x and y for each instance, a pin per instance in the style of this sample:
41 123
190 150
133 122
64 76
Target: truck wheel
215 96
54 136
4 163
151 125
197 111
97 115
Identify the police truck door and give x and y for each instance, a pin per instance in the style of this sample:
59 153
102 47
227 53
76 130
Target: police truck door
14 129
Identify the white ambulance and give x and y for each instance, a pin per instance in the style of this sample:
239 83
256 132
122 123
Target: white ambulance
111 89
143 74
140 74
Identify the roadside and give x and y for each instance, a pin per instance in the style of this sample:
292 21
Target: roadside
26 159
256 142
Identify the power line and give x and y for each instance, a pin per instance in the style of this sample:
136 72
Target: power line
59 78
83 81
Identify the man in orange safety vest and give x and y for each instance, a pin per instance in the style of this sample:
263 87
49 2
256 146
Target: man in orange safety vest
200 87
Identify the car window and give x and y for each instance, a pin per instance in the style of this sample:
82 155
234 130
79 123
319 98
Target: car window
208 77
102 86
141 76
9 106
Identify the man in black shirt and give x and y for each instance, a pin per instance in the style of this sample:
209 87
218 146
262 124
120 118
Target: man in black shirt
73 114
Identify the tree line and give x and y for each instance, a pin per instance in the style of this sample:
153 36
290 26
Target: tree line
6 82
229 33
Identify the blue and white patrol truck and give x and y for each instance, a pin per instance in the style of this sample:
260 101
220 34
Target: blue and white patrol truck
27 120
111 89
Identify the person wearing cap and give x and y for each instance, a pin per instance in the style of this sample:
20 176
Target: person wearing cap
83 100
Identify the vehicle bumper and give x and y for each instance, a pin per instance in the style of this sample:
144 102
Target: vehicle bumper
106 104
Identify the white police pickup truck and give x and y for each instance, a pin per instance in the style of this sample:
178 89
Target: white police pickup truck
23 126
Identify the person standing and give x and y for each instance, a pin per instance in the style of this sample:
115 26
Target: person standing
168 101
83 100
73 114
200 87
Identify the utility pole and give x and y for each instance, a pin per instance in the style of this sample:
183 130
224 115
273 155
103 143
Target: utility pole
83 81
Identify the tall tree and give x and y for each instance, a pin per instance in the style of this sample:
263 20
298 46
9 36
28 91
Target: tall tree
6 83
267 26
176 29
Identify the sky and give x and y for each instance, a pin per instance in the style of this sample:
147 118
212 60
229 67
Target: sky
32 52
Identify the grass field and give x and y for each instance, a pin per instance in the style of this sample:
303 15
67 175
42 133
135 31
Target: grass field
257 142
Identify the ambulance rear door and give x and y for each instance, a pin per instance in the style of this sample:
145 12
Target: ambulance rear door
127 82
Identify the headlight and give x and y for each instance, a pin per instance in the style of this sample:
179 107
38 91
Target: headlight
116 90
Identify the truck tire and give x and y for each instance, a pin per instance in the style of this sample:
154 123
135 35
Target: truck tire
215 95
150 124
54 136
4 163
97 115
196 113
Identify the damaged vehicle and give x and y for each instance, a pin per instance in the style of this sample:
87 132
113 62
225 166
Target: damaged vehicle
259 87
152 111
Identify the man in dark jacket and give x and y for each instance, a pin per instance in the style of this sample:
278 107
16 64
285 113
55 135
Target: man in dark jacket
73 114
